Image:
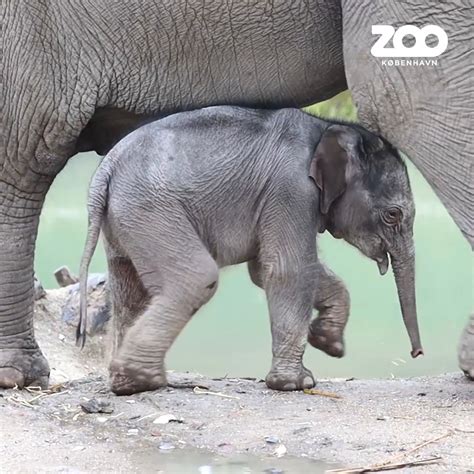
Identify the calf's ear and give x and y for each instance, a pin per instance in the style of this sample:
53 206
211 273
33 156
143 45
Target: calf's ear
331 160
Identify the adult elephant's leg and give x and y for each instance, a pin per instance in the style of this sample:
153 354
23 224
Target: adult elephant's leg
424 110
21 199
36 139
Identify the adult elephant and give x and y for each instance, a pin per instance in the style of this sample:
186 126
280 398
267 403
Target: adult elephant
79 74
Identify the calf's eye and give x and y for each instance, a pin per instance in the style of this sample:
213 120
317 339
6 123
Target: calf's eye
392 215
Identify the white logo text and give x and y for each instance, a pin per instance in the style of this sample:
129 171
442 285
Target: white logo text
418 50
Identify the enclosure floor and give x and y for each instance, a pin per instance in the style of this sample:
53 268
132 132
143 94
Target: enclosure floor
372 422
351 423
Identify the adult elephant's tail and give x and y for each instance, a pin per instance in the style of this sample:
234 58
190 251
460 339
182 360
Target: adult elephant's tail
97 202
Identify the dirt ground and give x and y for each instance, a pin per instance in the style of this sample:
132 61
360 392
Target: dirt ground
353 423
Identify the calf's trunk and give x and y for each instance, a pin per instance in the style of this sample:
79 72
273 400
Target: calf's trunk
403 265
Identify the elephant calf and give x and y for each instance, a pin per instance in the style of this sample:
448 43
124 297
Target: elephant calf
186 195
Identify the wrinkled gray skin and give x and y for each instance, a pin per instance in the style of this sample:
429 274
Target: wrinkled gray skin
79 75
182 197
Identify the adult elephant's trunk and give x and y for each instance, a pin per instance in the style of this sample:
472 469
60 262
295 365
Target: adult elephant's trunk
403 265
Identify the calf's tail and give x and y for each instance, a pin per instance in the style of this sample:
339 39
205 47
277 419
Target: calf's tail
97 203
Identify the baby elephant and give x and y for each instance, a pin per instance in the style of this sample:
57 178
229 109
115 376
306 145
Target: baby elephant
188 194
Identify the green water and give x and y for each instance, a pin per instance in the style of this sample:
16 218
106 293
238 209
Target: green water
231 334
191 461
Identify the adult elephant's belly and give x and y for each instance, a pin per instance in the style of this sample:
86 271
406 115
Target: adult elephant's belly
286 54
272 55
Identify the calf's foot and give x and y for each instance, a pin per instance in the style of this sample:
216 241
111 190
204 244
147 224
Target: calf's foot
326 338
23 367
127 378
282 377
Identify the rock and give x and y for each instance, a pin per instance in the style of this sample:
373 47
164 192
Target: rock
39 290
64 278
95 405
97 303
466 349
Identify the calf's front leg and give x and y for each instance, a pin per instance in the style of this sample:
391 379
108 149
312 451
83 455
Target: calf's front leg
332 301
290 312
286 270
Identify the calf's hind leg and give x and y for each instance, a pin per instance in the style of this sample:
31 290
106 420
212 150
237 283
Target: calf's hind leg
128 296
178 283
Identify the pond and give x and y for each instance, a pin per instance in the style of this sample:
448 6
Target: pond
201 462
231 334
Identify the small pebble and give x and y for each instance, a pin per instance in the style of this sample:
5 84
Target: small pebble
301 430
272 440
95 405
280 451
168 418
166 446
132 432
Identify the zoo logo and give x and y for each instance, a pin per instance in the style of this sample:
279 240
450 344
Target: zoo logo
419 50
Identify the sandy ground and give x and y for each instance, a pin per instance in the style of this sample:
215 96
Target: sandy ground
371 421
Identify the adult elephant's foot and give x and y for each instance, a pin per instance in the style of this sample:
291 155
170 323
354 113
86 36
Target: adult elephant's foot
283 378
23 367
466 349
128 378
326 337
